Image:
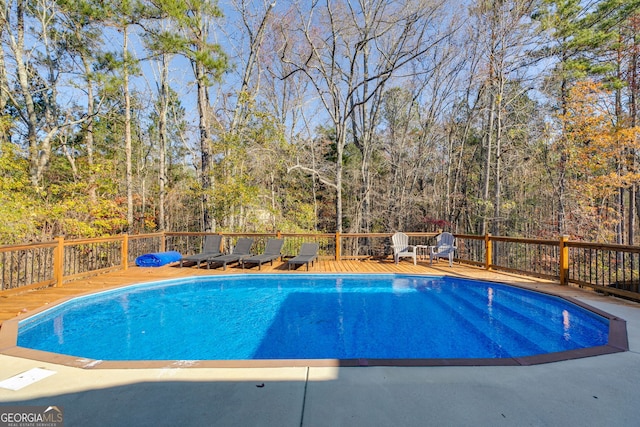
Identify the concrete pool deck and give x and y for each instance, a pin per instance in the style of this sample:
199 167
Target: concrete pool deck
593 391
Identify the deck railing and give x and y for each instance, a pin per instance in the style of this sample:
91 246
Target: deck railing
612 269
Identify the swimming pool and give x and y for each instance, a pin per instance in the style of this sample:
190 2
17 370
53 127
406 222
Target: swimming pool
312 316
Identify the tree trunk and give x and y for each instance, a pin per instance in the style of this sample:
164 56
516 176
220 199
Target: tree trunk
562 183
339 198
17 47
633 114
205 146
620 231
127 128
487 163
339 170
498 178
88 135
162 128
4 94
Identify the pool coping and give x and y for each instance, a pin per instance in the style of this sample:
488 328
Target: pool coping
617 342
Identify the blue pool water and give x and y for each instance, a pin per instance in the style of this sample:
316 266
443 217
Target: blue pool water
313 317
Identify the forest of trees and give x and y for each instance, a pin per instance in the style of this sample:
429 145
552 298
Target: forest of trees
510 117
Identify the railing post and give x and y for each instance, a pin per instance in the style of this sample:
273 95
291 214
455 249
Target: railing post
488 251
58 262
125 252
564 260
163 242
338 246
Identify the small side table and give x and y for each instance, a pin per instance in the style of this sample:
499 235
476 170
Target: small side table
423 251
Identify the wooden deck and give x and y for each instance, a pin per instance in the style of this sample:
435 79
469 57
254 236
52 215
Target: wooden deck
16 305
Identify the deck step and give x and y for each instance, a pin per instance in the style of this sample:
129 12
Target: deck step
509 341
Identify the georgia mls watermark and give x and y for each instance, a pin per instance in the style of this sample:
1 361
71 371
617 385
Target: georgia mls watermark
31 416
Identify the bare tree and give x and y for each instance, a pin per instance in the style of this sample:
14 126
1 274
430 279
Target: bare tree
35 98
253 29
503 33
351 50
191 37
163 138
4 84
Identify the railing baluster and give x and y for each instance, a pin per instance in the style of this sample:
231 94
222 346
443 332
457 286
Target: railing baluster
72 260
622 269
609 268
35 268
2 270
591 266
11 269
633 278
21 266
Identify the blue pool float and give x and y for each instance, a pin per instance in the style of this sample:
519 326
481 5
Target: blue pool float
158 259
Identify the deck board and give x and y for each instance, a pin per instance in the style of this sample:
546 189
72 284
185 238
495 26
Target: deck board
12 305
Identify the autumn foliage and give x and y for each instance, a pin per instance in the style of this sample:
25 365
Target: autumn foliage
600 159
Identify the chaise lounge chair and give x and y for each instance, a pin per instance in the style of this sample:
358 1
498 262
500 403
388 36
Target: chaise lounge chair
308 254
272 251
444 248
402 248
241 251
211 249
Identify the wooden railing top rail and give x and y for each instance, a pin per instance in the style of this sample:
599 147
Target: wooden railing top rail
308 235
93 240
525 240
201 233
145 236
187 233
9 248
604 246
380 235
467 236
204 233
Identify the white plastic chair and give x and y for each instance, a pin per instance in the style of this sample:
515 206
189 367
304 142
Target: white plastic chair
402 248
444 248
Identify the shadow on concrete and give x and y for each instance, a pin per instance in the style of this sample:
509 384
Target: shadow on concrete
182 403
